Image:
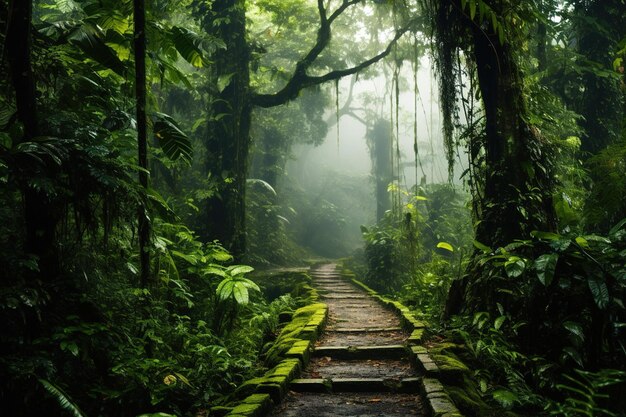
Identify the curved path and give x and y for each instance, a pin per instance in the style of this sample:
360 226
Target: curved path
361 355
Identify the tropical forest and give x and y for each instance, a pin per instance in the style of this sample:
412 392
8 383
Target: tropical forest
312 208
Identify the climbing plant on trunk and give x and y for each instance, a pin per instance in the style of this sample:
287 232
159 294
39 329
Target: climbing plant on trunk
513 158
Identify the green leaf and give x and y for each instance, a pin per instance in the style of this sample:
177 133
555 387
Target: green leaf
617 227
546 266
576 329
241 294
62 398
514 267
239 269
472 4
215 271
505 397
90 40
188 44
175 143
249 284
498 323
264 184
582 242
225 289
446 246
545 235
189 258
600 292
222 256
482 247
223 81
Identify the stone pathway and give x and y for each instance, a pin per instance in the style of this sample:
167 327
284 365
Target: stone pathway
360 359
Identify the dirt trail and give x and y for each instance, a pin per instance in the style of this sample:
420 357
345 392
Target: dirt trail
375 379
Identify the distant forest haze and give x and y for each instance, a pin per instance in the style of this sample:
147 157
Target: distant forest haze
167 168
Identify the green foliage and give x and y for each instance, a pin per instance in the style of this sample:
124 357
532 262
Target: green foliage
586 392
65 402
420 256
175 143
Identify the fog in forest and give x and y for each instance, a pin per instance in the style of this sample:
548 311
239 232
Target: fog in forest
339 171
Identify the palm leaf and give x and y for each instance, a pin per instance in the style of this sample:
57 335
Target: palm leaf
188 44
62 398
90 40
174 142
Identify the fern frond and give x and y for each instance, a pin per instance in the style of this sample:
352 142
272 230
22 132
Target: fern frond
62 398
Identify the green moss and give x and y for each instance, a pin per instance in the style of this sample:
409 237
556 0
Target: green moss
258 399
289 368
300 350
416 336
220 411
249 410
449 363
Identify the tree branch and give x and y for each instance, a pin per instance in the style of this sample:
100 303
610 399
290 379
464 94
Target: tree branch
301 80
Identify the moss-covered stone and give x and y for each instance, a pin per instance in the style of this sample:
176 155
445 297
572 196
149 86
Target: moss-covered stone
249 410
416 337
289 368
431 385
220 411
258 399
448 363
307 324
300 350
441 406
276 390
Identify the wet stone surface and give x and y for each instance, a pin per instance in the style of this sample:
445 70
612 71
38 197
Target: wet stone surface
331 338
355 320
327 367
350 404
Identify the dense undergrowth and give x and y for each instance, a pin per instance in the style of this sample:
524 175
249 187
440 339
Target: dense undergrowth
549 341
179 346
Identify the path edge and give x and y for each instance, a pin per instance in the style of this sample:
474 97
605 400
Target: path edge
263 393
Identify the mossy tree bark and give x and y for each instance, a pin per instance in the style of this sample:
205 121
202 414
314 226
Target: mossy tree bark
517 192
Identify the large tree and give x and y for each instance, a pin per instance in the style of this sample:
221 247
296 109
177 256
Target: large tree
228 139
516 190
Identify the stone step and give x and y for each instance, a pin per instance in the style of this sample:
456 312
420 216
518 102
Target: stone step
362 352
345 297
399 385
366 330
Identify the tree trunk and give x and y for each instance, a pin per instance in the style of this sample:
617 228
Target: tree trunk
228 138
518 187
516 164
139 11
40 214
602 104
380 153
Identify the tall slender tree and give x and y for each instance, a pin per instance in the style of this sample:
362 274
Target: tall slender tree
40 213
139 8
